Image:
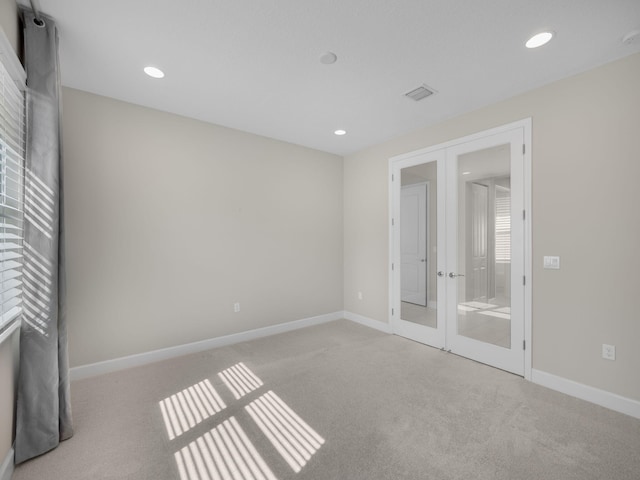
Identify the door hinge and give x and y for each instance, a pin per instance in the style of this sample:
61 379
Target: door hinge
524 344
523 148
524 280
392 266
393 178
393 221
392 312
524 214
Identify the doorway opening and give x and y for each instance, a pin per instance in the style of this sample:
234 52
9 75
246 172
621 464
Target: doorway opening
460 247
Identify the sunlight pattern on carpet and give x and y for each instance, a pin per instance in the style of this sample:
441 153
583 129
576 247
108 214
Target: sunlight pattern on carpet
186 409
240 380
224 453
294 439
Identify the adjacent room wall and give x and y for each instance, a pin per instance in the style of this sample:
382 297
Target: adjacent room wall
170 221
585 209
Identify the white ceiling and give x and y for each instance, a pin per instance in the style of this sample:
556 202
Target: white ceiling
255 65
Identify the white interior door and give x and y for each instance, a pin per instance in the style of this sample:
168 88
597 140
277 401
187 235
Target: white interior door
476 260
485 233
413 244
419 236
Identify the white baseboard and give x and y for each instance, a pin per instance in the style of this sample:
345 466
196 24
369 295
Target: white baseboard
107 366
368 322
600 397
603 398
6 468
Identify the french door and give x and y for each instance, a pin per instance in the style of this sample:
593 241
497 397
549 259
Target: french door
475 250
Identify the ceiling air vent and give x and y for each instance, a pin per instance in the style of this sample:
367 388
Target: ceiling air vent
419 93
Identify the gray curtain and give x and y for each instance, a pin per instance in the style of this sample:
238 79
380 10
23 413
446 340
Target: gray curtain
43 416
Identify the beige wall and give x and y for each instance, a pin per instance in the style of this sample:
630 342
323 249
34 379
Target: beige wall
171 220
586 167
9 352
9 22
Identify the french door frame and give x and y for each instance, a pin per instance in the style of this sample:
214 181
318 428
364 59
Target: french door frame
438 153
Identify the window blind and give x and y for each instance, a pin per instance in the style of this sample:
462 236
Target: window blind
503 225
12 152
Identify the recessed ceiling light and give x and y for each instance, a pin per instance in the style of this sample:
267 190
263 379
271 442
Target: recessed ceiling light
539 40
631 37
154 72
466 173
328 58
340 132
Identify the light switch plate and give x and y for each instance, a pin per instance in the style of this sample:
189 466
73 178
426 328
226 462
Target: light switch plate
552 262
608 351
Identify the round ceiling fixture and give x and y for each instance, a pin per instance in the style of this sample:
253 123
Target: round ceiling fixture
539 40
340 132
328 58
631 37
154 72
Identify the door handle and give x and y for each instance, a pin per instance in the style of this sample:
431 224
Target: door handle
454 275
441 274
423 260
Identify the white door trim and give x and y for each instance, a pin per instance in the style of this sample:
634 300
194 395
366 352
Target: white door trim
424 155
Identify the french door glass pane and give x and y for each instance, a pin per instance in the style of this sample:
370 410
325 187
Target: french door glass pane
484 245
418 234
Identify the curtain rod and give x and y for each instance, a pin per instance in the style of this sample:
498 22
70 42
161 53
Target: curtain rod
36 14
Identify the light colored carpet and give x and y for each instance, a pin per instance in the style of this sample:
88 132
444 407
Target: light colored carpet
380 407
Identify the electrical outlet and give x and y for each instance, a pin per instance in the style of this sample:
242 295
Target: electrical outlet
236 307
359 295
608 351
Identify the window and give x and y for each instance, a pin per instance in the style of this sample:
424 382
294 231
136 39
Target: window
503 224
12 152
